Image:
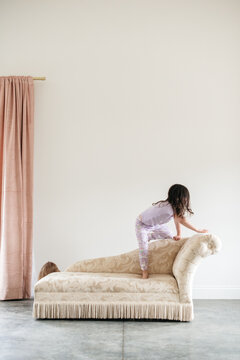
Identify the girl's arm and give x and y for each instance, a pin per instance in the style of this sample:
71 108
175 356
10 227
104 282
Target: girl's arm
178 227
184 222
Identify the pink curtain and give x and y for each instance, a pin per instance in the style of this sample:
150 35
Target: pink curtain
16 185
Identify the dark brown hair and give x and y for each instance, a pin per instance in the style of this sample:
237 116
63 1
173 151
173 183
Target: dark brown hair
179 198
48 268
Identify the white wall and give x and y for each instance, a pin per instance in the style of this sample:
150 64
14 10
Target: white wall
139 95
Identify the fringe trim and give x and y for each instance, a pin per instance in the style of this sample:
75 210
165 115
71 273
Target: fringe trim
116 310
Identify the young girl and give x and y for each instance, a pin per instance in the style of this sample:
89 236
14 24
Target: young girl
151 223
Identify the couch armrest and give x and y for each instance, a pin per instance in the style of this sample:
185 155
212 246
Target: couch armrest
188 258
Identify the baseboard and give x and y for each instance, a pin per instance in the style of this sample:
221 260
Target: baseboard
216 293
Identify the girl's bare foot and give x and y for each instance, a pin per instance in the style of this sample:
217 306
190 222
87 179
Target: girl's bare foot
144 274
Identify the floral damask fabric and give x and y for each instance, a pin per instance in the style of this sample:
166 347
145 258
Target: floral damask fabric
189 257
101 297
105 282
112 287
161 254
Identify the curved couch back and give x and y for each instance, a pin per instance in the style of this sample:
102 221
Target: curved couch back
161 255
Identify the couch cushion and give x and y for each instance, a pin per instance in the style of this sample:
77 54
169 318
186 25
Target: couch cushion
65 282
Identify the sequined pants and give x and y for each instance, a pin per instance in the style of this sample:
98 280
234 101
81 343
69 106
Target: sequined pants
144 234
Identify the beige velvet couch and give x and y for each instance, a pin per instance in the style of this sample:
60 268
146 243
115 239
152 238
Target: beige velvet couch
112 287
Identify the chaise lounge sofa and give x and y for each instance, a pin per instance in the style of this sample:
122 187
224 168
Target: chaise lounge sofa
112 287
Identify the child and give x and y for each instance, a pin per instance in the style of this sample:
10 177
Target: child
48 268
151 223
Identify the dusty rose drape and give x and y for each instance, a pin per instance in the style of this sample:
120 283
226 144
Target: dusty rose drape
16 185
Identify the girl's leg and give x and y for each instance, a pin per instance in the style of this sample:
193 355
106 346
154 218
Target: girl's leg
161 232
142 237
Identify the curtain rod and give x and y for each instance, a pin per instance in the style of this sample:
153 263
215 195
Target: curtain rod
39 78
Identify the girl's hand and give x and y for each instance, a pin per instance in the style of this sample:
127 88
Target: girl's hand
202 231
177 237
